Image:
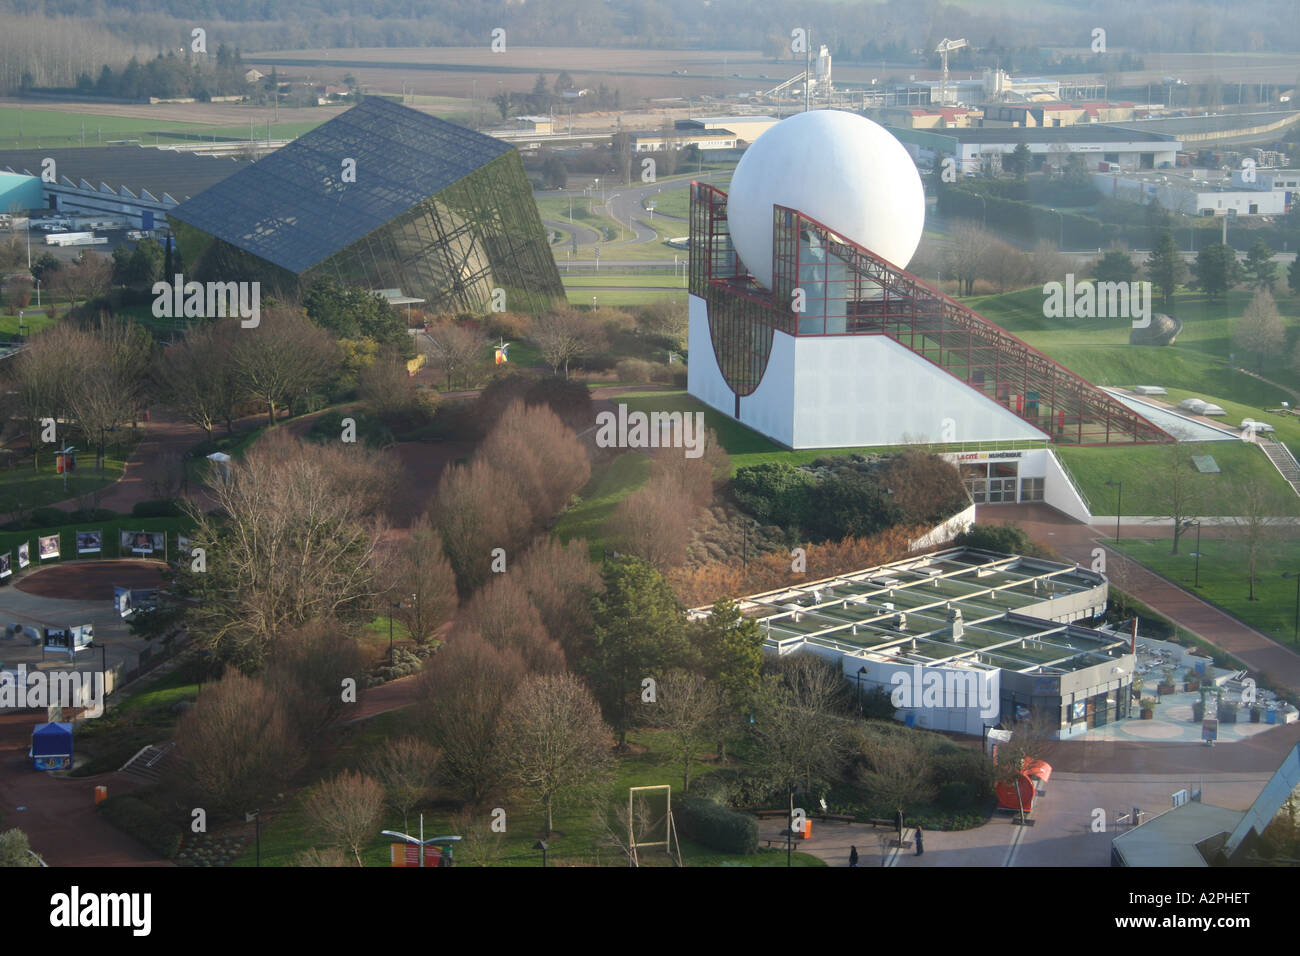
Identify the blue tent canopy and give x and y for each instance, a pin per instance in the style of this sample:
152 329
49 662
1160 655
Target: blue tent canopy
52 740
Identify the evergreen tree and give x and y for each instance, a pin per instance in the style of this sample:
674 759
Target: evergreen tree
1260 269
1216 269
1165 267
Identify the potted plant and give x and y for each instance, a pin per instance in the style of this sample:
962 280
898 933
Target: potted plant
1148 708
1227 711
1193 679
1166 685
1198 711
1254 713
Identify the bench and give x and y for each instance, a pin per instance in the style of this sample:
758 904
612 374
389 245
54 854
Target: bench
836 817
770 814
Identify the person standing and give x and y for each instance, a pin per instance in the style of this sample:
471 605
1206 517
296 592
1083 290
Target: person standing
920 841
853 856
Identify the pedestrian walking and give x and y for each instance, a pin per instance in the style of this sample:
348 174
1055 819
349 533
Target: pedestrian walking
853 856
920 841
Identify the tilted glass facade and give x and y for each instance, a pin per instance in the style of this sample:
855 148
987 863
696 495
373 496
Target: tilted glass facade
824 284
433 210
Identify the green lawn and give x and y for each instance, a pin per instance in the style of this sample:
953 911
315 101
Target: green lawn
1224 580
577 836
35 488
1139 468
32 127
620 297
668 282
1098 349
607 487
32 322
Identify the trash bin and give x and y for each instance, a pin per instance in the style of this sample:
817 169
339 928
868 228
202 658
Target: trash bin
101 793
807 829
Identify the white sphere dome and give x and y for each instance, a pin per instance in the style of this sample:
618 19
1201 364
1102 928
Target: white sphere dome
839 168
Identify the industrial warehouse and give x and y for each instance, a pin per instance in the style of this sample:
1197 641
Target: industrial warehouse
996 629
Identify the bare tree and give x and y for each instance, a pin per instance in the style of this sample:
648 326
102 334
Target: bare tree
690 709
898 772
40 378
502 613
423 583
197 375
331 856
1177 491
477 510
560 579
406 768
963 257
307 668
455 349
385 385
800 736
564 336
652 523
1260 507
1260 328
462 691
541 454
295 541
558 744
237 744
479 844
349 809
283 357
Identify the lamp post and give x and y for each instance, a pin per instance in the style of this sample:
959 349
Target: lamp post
861 670
543 846
1119 503
1060 235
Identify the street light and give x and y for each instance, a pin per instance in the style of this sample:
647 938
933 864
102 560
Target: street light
543 846
861 670
1060 236
1119 503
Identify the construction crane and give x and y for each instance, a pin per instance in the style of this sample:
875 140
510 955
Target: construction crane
786 85
943 49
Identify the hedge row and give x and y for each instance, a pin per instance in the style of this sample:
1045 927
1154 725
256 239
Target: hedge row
138 819
714 826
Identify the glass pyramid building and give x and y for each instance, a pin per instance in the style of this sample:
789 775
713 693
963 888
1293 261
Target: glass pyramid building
380 197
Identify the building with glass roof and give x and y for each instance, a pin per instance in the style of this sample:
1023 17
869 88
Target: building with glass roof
1001 628
380 197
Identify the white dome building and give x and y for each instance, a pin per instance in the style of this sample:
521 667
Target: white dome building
843 170
806 326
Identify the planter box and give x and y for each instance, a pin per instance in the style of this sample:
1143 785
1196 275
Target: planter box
1228 715
1163 689
1193 685
1148 714
1198 712
1254 716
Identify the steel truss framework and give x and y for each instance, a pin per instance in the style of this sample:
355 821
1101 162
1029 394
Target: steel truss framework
827 285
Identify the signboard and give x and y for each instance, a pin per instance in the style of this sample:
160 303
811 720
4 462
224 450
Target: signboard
70 639
6 565
182 544
48 547
1078 710
408 854
24 554
122 600
90 542
1210 729
989 455
142 542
